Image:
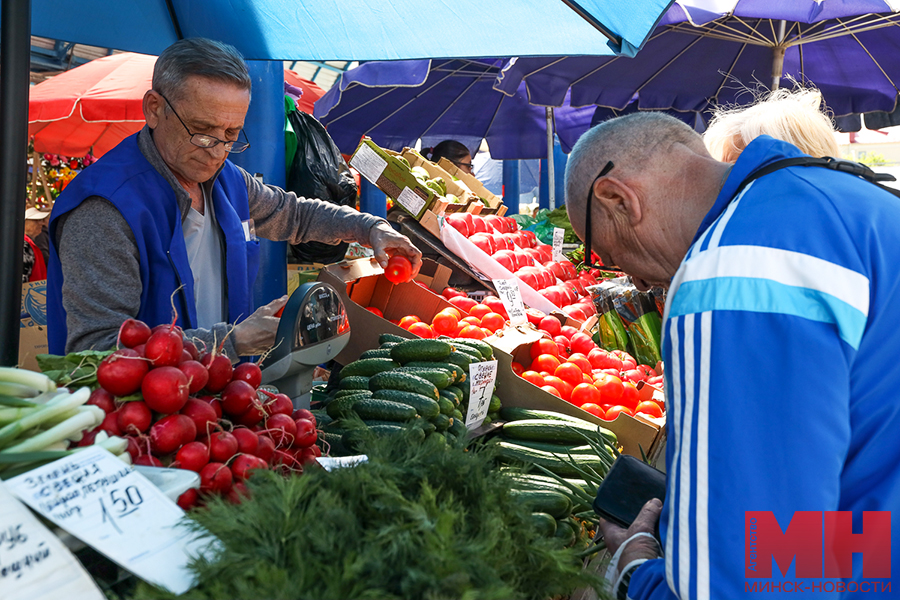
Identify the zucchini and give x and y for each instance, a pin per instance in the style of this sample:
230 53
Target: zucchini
547 501
544 523
554 432
446 406
442 422
354 383
410 350
441 378
367 367
344 393
406 382
562 467
390 337
426 407
459 374
376 353
340 407
385 410
486 350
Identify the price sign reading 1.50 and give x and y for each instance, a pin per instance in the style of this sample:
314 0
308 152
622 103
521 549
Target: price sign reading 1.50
123 503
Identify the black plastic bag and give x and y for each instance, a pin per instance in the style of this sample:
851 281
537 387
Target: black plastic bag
318 171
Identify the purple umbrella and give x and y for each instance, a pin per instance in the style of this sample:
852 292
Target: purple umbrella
398 102
699 58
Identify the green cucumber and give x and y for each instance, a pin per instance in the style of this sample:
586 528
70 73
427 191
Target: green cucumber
344 393
565 531
406 382
354 383
460 358
544 523
387 345
322 418
458 427
340 407
368 367
331 444
560 449
446 406
555 432
459 374
563 467
495 404
442 422
457 414
515 413
449 396
426 407
410 350
469 351
390 337
456 391
547 501
486 350
385 410
376 353
441 378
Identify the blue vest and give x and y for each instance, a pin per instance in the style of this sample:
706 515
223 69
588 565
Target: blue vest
148 204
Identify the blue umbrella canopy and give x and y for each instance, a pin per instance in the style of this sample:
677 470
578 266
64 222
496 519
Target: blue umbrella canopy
355 29
709 53
397 103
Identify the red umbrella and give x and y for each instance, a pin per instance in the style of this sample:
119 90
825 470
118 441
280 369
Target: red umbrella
95 106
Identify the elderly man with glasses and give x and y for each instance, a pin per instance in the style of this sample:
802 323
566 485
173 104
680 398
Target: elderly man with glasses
781 321
165 219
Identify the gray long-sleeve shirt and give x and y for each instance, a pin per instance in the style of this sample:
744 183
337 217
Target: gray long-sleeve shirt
100 262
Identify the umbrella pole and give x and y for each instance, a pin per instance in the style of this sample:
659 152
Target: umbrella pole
778 58
551 176
15 63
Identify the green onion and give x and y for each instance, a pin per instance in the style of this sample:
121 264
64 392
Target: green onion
60 404
15 402
24 377
80 421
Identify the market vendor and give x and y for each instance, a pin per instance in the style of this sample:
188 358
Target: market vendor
454 151
778 343
164 218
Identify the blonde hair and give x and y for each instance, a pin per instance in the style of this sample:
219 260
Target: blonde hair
795 116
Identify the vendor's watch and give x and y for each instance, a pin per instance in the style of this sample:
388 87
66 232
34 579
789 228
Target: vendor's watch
621 590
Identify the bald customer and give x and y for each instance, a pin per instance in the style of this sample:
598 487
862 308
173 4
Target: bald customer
782 296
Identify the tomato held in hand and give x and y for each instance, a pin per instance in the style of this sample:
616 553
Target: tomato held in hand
398 270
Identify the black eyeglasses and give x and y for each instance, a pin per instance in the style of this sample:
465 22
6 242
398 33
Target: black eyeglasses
462 165
201 140
588 249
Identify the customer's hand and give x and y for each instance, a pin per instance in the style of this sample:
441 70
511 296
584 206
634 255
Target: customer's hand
256 334
386 243
642 547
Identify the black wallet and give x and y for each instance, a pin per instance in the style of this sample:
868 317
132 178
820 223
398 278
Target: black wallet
629 485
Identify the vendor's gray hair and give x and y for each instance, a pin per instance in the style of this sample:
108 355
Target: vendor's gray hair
630 142
199 57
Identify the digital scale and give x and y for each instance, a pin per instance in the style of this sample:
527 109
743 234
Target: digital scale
313 330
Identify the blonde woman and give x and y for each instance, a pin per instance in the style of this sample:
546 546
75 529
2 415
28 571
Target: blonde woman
795 116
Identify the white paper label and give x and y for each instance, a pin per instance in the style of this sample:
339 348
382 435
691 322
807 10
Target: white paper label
368 163
411 201
482 376
34 563
558 235
330 463
103 502
508 291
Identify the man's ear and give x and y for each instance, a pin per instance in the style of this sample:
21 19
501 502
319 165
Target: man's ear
152 105
619 199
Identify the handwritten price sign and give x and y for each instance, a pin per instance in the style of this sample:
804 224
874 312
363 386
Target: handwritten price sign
103 502
482 376
508 291
558 235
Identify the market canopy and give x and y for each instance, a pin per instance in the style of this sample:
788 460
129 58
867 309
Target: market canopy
356 29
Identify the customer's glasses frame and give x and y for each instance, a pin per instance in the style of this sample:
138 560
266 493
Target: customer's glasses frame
588 249
460 164
202 140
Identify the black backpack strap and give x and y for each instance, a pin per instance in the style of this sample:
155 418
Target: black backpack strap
846 166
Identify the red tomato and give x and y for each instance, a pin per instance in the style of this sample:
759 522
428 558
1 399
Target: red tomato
633 375
568 331
552 390
628 361
630 395
517 368
611 388
375 311
471 321
473 332
585 393
649 407
582 361
444 323
398 270
544 346
450 292
570 373
563 387
408 320
479 310
551 325
463 302
534 316
450 310
422 330
533 377
582 343
614 412
545 362
647 370
592 408
493 321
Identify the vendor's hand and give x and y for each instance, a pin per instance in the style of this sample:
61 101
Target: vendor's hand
386 243
642 547
256 334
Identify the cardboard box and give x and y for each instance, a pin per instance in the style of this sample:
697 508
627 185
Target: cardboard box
491 201
33 324
361 283
435 275
297 275
392 177
453 187
512 344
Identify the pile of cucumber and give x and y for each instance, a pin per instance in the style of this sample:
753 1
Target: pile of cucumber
405 382
563 458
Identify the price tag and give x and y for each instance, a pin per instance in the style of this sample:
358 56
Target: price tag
330 463
411 201
105 503
368 163
508 291
34 563
558 235
482 376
